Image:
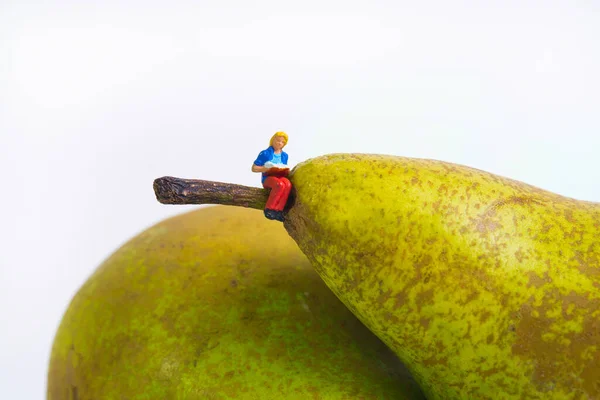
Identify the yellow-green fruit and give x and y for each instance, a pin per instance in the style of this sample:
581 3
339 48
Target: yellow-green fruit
486 288
218 303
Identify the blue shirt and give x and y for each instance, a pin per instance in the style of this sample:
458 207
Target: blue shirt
267 155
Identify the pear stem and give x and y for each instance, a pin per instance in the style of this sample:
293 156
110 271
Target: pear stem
171 190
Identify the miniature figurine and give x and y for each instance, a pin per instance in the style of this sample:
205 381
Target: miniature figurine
272 163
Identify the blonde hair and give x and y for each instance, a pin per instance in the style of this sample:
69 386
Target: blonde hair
285 138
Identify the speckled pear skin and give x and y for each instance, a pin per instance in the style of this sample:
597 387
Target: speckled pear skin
218 303
487 288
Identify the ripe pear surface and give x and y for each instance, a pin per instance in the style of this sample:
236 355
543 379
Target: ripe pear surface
486 288
218 303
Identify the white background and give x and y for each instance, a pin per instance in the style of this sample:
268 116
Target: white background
99 98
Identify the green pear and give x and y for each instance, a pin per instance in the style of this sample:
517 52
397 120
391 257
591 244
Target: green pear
485 287
218 303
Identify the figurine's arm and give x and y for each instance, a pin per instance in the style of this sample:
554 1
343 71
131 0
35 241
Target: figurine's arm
257 168
259 164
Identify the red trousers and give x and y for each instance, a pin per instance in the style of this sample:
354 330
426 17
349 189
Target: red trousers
280 190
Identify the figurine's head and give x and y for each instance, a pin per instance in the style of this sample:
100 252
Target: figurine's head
279 140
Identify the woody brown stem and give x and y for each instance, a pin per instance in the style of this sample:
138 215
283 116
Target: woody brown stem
171 190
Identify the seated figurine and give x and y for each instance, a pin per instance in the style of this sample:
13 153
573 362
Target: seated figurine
272 163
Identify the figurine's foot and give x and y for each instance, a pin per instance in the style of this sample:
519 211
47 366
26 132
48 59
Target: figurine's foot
274 214
270 214
279 216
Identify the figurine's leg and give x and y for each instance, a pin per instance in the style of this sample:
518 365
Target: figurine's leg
280 190
276 187
286 191
283 192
